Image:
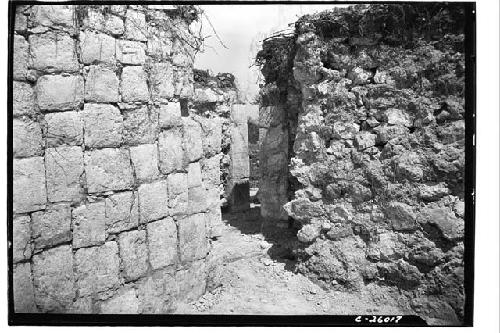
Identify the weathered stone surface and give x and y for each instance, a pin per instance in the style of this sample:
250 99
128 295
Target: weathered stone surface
401 216
451 227
53 279
162 243
134 254
59 92
183 78
211 171
21 238
24 297
103 125
212 136
159 43
135 25
433 192
192 281
133 85
170 149
52 226
97 48
130 52
29 191
53 52
183 52
170 115
108 169
89 224
53 16
101 85
140 126
153 201
114 25
194 175
161 81
124 302
192 142
97 269
64 167
197 199
65 128
27 138
309 233
21 19
365 140
178 193
82 305
20 61
23 102
157 293
122 212
192 238
360 76
145 161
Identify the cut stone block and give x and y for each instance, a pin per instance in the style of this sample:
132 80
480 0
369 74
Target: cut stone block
29 193
52 226
170 115
140 126
24 296
108 169
145 161
178 193
122 212
101 85
159 43
157 292
184 83
134 87
162 243
130 53
64 167
54 16
23 102
103 124
114 25
192 282
97 47
211 171
97 269
192 142
182 52
59 92
170 151
53 52
65 128
192 238
194 175
82 305
27 138
153 201
161 80
21 237
89 224
212 136
134 254
124 302
53 279
197 199
20 59
135 25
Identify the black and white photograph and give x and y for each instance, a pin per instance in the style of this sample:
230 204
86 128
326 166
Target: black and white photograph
242 163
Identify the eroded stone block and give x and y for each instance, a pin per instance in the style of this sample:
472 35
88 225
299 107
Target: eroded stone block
89 224
192 281
23 102
153 201
134 254
130 53
161 80
52 226
140 126
212 136
101 85
122 212
97 47
211 171
53 16
103 124
29 191
124 302
53 52
114 25
145 161
108 169
192 238
27 138
133 85
192 142
162 243
157 293
194 175
170 115
64 128
178 193
20 59
135 25
24 296
170 149
21 238
59 92
64 166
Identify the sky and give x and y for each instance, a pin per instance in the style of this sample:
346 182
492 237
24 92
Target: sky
242 28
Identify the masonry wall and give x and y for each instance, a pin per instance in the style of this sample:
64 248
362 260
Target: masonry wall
378 154
115 189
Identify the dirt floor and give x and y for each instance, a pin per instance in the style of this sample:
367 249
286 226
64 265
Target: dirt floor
251 272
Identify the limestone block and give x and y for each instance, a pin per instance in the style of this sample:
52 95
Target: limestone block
124 302
192 281
401 216
153 201
365 140
64 128
27 138
54 16
162 243
114 25
64 167
134 254
130 53
211 171
21 238
161 80
21 20
97 268
52 226
122 212
29 191
240 166
170 149
133 85
192 238
192 141
157 292
103 125
20 59
184 82
178 193
59 92
212 136
194 175
145 161
433 192
93 19
140 126
24 296
97 48
101 85
53 279
108 169
135 25
451 227
89 224
159 43
82 305
53 52
170 115
23 102
182 52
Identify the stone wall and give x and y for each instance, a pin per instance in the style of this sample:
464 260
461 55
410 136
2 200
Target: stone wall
115 188
378 154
